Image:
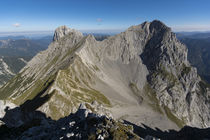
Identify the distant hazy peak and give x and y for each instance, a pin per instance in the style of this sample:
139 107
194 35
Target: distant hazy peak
64 30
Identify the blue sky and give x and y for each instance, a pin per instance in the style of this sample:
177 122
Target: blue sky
97 15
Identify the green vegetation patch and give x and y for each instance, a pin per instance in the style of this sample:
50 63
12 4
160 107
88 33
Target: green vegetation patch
66 109
151 94
54 111
114 130
15 83
76 80
185 70
180 123
168 75
121 132
136 92
52 63
95 95
73 49
75 83
39 87
96 68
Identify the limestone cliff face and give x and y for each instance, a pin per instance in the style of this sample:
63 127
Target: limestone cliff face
62 31
177 85
144 68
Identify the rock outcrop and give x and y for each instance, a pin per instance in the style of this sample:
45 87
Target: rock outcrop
62 31
141 74
84 124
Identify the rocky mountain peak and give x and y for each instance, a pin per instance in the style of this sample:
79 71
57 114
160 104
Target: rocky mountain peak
154 26
64 30
158 25
143 68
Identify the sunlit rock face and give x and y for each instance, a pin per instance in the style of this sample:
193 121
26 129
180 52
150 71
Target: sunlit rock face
141 74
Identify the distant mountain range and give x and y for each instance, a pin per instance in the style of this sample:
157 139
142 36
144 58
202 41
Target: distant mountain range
16 51
20 47
193 35
198 45
12 37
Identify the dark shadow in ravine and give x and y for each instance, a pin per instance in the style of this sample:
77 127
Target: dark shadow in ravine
186 133
35 103
19 119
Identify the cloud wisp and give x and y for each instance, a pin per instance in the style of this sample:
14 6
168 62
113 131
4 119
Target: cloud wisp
99 21
190 28
16 25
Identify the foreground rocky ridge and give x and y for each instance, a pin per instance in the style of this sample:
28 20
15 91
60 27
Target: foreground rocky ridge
143 70
86 123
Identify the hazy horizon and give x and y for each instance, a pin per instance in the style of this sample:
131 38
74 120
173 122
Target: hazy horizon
50 33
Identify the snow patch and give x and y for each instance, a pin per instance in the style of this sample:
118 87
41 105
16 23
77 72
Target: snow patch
24 61
3 105
6 67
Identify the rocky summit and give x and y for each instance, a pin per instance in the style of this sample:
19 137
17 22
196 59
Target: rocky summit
141 75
